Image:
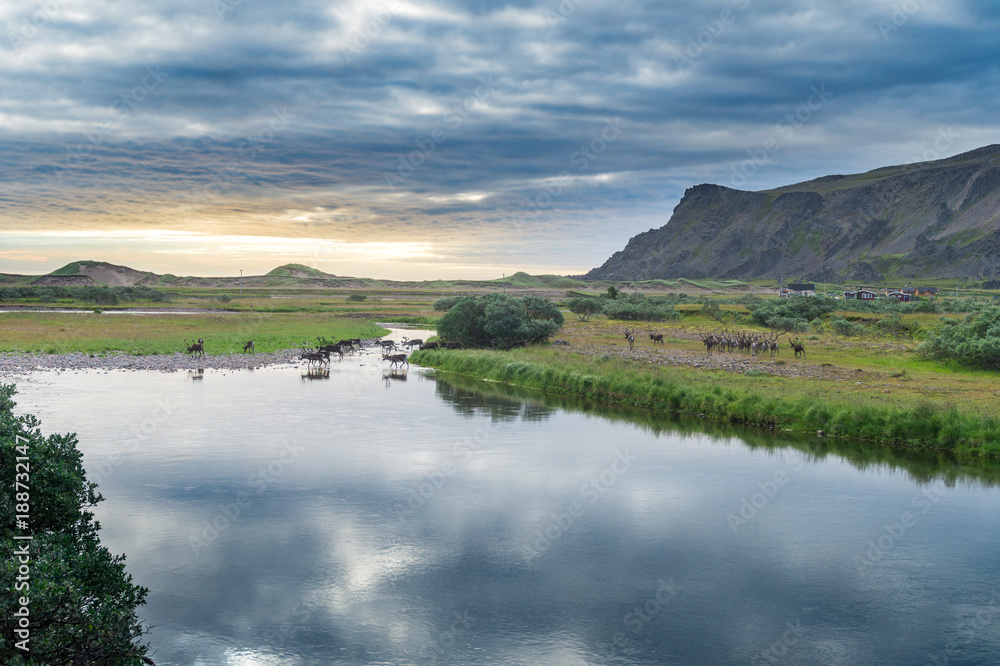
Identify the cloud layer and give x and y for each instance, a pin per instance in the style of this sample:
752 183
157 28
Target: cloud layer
518 135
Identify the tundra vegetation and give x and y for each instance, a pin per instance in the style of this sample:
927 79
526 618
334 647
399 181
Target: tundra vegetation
81 601
973 341
858 374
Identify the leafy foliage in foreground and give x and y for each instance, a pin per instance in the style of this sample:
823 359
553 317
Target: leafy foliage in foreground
499 320
974 341
81 600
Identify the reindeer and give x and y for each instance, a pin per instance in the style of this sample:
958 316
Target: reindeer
320 357
248 347
410 344
387 345
772 344
710 340
656 337
198 348
452 345
431 345
630 336
396 358
332 349
798 348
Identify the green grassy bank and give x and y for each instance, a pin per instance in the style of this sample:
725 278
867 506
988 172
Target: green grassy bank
798 405
60 333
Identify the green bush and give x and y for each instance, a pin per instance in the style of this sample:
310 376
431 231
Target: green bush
82 601
447 303
846 328
103 295
499 320
712 310
802 308
974 341
356 298
584 307
636 307
787 324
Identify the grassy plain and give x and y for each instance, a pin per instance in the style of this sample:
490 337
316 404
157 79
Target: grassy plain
869 389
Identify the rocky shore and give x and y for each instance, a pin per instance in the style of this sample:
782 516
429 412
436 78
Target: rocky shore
20 364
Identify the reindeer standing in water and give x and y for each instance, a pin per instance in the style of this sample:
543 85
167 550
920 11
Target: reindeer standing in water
630 336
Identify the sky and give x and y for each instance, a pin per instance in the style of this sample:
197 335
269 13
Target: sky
430 139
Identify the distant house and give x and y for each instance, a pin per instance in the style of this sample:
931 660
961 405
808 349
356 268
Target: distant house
804 286
861 295
920 291
899 295
786 293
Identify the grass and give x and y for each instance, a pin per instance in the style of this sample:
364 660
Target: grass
165 334
890 395
758 400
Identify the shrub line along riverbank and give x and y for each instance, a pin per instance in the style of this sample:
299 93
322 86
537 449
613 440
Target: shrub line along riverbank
730 399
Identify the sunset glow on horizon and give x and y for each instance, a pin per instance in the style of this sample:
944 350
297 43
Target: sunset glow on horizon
422 139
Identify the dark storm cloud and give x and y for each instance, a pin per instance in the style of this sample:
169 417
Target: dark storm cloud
464 113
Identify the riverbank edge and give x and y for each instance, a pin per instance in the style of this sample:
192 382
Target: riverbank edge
968 437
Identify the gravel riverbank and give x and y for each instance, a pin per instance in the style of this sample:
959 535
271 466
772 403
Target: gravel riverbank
19 364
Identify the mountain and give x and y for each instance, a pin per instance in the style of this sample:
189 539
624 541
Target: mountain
927 219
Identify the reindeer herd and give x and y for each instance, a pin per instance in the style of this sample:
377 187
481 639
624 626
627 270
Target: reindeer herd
747 342
319 357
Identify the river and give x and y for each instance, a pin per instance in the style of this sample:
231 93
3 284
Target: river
368 517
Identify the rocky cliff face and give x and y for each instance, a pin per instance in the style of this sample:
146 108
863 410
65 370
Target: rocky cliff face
929 219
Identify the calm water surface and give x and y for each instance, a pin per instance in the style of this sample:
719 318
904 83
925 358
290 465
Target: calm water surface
370 519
